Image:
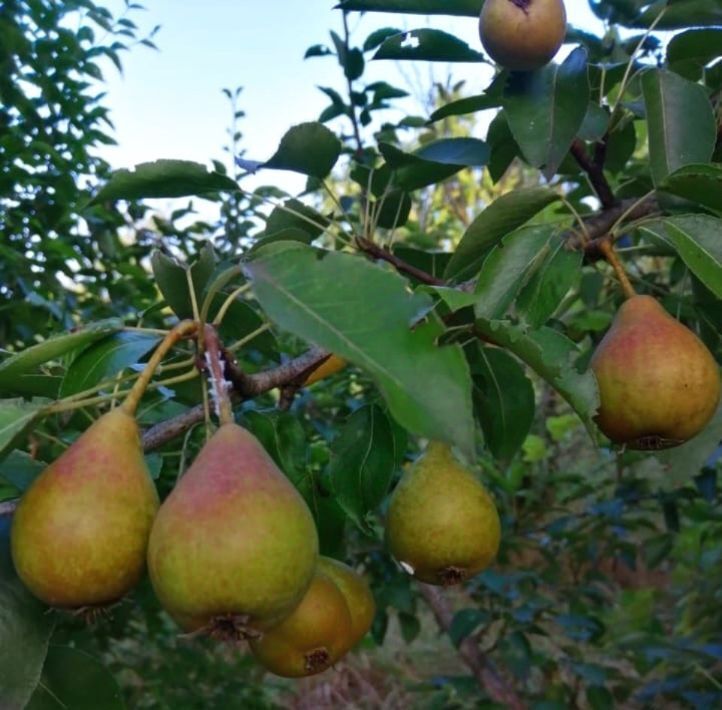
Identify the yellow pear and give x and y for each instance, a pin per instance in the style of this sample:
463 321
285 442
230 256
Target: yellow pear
328 367
522 35
312 638
442 525
659 385
357 593
80 532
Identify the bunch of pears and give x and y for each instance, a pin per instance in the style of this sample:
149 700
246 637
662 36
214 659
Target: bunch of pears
232 552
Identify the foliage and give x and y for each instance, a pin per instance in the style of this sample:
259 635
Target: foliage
460 277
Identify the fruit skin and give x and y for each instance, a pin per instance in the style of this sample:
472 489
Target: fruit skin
312 638
328 367
442 525
357 593
659 385
234 544
522 35
80 533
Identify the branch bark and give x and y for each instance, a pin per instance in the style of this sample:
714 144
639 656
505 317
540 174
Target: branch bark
595 171
486 675
376 252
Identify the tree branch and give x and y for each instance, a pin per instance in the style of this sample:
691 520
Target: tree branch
595 172
376 252
486 675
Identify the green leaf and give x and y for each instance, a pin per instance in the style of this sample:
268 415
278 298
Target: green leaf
693 50
680 14
365 314
469 104
20 469
466 622
508 267
459 8
553 357
25 629
503 216
294 214
172 279
681 123
434 162
104 359
542 295
427 46
72 679
309 148
698 183
546 109
696 238
363 462
504 400
54 348
164 178
16 417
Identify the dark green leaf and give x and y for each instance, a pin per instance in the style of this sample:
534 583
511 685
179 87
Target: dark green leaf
463 8
16 417
309 148
467 622
20 469
427 46
698 183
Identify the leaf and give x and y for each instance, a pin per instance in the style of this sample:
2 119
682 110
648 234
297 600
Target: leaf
698 183
459 8
694 49
466 622
469 104
680 14
74 680
503 216
696 238
16 417
363 462
164 178
504 400
365 314
552 356
427 45
681 123
20 469
25 629
542 295
54 348
309 148
546 109
104 359
507 268
172 279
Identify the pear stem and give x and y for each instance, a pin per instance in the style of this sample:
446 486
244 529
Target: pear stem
178 332
610 254
215 362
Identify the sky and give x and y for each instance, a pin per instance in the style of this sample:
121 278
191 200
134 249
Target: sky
169 103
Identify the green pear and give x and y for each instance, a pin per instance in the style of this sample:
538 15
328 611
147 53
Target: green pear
80 532
658 384
312 637
442 525
522 35
234 546
357 593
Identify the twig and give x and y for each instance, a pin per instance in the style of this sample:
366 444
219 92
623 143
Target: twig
486 675
377 252
595 171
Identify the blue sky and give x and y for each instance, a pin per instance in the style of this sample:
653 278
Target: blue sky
168 104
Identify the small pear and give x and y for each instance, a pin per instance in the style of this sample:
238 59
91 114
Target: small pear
328 367
442 525
80 532
312 638
234 546
658 384
357 593
522 35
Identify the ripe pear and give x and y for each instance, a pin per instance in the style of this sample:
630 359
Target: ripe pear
80 533
659 385
358 597
312 638
522 35
442 525
328 367
234 546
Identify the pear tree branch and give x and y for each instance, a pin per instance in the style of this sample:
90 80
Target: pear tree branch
595 172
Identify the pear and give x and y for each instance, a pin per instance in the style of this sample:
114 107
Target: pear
442 525
522 35
312 638
234 546
658 384
80 532
328 367
358 597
